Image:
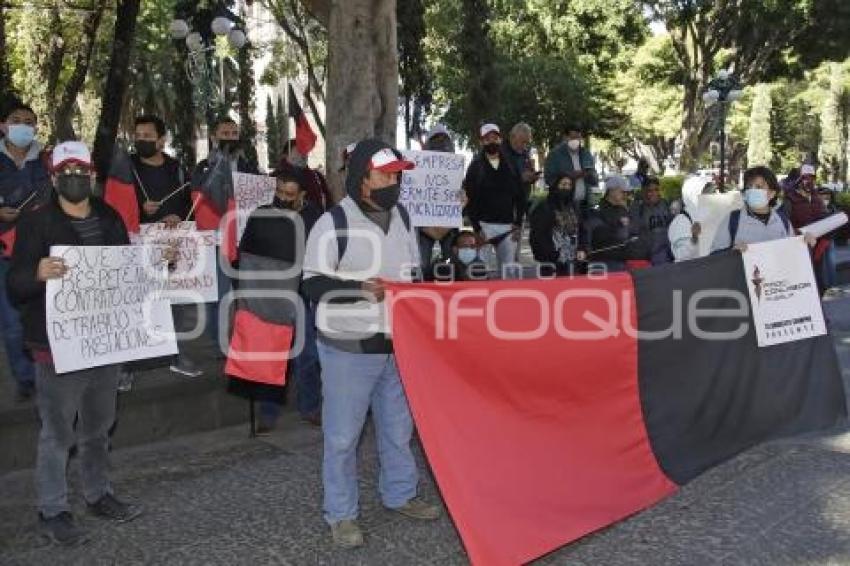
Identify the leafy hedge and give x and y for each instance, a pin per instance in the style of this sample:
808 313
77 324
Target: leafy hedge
671 187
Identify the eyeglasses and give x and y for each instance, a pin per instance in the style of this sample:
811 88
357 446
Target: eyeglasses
74 169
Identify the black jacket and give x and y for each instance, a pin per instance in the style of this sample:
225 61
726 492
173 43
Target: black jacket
159 182
542 222
495 195
274 237
605 228
37 231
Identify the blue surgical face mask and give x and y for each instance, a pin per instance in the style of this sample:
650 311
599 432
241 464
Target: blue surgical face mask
467 255
21 135
756 198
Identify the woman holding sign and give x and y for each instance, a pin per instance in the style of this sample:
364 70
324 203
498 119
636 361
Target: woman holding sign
86 397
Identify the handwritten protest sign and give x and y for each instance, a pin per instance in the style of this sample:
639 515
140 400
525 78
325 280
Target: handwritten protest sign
783 293
107 308
193 278
249 192
714 209
432 192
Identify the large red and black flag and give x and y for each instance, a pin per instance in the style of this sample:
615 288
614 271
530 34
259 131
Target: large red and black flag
548 409
305 137
120 190
264 321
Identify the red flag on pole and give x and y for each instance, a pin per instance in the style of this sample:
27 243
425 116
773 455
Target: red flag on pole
305 138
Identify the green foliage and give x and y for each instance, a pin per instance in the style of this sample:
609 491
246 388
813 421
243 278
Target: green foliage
671 187
272 133
759 151
832 153
246 103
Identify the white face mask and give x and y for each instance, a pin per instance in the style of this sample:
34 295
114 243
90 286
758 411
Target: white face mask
574 144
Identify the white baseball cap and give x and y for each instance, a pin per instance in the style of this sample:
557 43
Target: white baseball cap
70 152
487 128
437 130
807 169
387 161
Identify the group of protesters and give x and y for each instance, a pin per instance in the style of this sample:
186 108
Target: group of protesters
346 367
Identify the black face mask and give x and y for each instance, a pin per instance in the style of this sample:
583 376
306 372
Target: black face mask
564 197
492 148
277 202
386 197
146 148
228 146
74 188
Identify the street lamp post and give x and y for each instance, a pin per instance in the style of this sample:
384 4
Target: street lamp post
724 89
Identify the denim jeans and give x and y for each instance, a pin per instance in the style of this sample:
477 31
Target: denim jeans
13 335
351 384
213 309
89 396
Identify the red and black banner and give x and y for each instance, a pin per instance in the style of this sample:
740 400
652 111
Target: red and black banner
305 137
549 409
263 325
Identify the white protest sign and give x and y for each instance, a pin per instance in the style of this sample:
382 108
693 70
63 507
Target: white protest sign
193 278
712 210
107 308
825 225
432 192
249 192
783 293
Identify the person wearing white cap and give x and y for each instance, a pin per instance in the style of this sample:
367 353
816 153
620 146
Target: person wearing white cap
438 139
496 204
87 396
803 205
343 275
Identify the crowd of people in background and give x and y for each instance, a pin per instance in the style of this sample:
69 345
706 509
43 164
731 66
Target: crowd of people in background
344 371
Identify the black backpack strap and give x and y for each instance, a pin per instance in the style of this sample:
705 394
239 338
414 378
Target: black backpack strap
405 216
734 221
341 228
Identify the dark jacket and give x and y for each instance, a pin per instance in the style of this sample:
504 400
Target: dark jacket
650 223
17 185
559 163
544 219
37 231
213 177
495 195
608 226
803 211
159 182
275 236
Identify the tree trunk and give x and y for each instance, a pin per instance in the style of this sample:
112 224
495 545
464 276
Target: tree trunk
5 71
63 127
362 93
116 84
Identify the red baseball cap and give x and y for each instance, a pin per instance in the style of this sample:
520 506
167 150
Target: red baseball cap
388 161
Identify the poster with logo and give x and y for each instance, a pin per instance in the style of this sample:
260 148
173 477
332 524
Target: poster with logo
713 210
108 308
432 191
783 293
250 192
193 278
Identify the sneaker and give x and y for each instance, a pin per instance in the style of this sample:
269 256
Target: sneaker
125 381
347 534
185 366
417 509
62 530
109 507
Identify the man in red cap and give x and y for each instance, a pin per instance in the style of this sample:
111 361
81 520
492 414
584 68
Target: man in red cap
86 396
343 275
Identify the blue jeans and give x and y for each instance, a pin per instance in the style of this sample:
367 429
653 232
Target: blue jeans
23 370
351 384
213 309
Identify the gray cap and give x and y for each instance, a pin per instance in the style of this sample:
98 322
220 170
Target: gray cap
617 182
